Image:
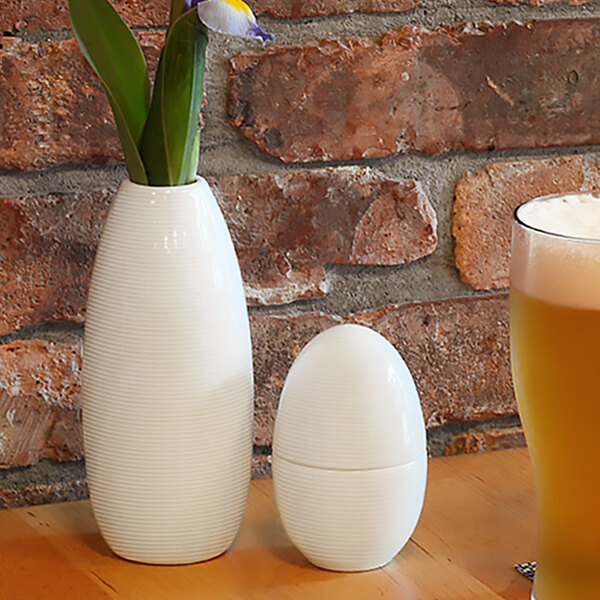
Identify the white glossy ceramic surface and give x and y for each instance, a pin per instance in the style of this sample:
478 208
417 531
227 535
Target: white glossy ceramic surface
349 520
349 451
167 378
349 402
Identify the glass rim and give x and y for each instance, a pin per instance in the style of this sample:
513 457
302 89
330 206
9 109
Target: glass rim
551 234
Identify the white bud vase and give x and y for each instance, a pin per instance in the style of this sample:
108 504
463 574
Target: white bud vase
167 378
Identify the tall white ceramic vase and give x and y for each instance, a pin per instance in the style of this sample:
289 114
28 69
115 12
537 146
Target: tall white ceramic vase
167 378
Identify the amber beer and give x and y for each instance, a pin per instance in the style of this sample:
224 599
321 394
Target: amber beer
555 353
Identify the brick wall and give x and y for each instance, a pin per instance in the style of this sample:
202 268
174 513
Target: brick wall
367 163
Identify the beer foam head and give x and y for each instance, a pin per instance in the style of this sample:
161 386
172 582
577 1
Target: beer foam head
571 215
556 250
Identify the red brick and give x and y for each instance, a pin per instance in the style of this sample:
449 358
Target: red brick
54 108
485 441
47 246
457 351
485 202
49 15
43 493
540 2
286 229
39 403
18 15
470 87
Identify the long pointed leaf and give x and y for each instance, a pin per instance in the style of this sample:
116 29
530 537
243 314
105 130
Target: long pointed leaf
169 141
177 8
115 55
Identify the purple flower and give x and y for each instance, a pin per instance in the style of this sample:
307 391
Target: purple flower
230 16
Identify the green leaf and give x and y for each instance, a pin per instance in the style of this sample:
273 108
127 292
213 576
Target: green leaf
169 142
177 9
194 158
114 53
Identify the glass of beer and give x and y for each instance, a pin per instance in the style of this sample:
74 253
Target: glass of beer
555 354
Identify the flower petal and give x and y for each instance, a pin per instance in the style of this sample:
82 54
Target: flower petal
231 16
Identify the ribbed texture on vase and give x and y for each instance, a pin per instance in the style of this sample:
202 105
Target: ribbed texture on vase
349 520
167 378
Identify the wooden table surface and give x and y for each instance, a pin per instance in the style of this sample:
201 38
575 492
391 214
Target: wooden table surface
478 521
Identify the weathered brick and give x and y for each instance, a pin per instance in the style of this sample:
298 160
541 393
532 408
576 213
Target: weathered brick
54 108
39 403
469 87
17 15
485 202
43 493
47 247
540 2
285 228
485 441
457 351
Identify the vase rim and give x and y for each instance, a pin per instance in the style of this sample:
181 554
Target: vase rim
200 181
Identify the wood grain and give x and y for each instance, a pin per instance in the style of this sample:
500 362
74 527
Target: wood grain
478 521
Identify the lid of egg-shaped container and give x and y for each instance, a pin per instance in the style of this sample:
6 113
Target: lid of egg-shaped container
349 402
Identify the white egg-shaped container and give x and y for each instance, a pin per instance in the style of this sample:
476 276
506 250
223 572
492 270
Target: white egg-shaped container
349 451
